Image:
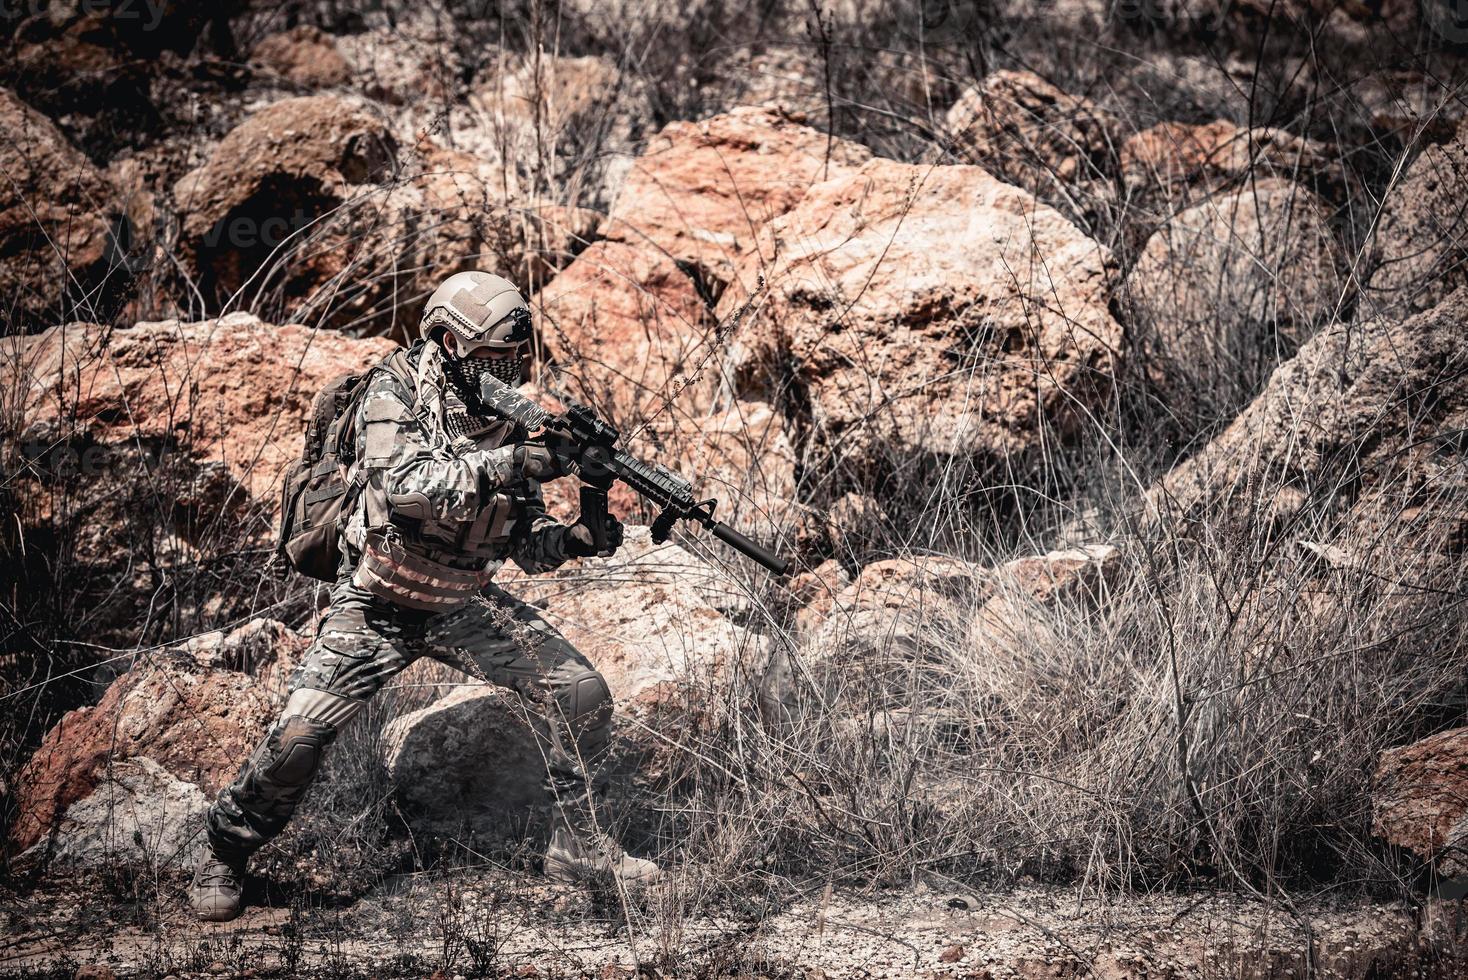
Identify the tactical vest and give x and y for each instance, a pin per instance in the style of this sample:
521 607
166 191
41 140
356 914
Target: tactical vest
433 565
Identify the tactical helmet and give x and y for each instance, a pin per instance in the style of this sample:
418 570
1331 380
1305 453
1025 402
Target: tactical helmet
481 311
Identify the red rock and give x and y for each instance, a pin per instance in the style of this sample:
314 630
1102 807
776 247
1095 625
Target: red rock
305 56
1026 131
700 192
1420 239
625 323
1224 285
1171 157
234 391
1421 799
195 721
1307 431
909 305
56 217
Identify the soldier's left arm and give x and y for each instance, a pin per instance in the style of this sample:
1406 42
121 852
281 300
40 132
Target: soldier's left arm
538 547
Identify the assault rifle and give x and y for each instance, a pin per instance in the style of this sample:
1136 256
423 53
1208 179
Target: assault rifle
583 437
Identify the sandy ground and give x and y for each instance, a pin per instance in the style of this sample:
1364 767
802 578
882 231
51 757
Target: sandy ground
495 923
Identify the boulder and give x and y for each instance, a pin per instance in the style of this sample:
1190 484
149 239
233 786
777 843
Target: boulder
1421 245
1228 288
1341 428
191 720
413 63
700 192
626 323
279 182
649 617
58 219
1177 161
1013 619
309 207
467 761
909 307
154 459
1029 133
139 815
233 391
304 55
564 124
1421 800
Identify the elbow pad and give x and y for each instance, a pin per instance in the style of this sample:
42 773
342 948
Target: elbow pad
413 504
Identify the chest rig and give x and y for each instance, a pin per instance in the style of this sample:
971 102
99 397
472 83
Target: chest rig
435 565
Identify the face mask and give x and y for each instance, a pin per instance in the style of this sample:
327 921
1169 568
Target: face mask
466 373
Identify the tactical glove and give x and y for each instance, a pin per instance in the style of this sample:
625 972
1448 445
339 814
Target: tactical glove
537 462
578 541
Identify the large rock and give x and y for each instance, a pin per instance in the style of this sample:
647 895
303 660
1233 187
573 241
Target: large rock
413 63
924 310
270 185
310 208
58 216
625 323
154 456
304 56
649 618
1228 288
233 391
467 761
1182 162
1422 237
1342 425
1421 799
176 708
567 125
628 318
1026 131
139 815
700 192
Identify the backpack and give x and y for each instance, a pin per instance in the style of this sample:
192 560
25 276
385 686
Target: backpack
317 492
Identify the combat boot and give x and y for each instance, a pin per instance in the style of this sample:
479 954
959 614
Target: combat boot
219 887
576 857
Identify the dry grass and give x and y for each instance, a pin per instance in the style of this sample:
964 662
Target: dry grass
1213 715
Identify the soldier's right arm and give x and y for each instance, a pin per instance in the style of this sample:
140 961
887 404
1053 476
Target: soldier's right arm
405 477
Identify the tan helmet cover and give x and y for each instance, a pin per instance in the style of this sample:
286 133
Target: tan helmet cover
481 310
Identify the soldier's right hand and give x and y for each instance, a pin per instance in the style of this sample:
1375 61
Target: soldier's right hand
538 462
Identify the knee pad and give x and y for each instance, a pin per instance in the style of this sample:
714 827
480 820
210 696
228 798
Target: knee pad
585 698
296 748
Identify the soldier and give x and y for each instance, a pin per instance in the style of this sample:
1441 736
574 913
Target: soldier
447 494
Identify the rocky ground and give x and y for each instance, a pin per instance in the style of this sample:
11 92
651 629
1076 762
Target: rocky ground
1100 366
492 922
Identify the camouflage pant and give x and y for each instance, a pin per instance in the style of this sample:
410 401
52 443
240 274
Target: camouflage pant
362 643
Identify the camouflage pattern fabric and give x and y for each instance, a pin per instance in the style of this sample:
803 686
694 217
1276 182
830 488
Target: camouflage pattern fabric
363 644
451 495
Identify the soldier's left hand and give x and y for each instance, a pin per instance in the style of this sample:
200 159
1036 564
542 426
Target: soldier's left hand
581 543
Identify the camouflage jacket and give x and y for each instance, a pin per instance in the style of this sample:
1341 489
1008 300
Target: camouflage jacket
443 482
